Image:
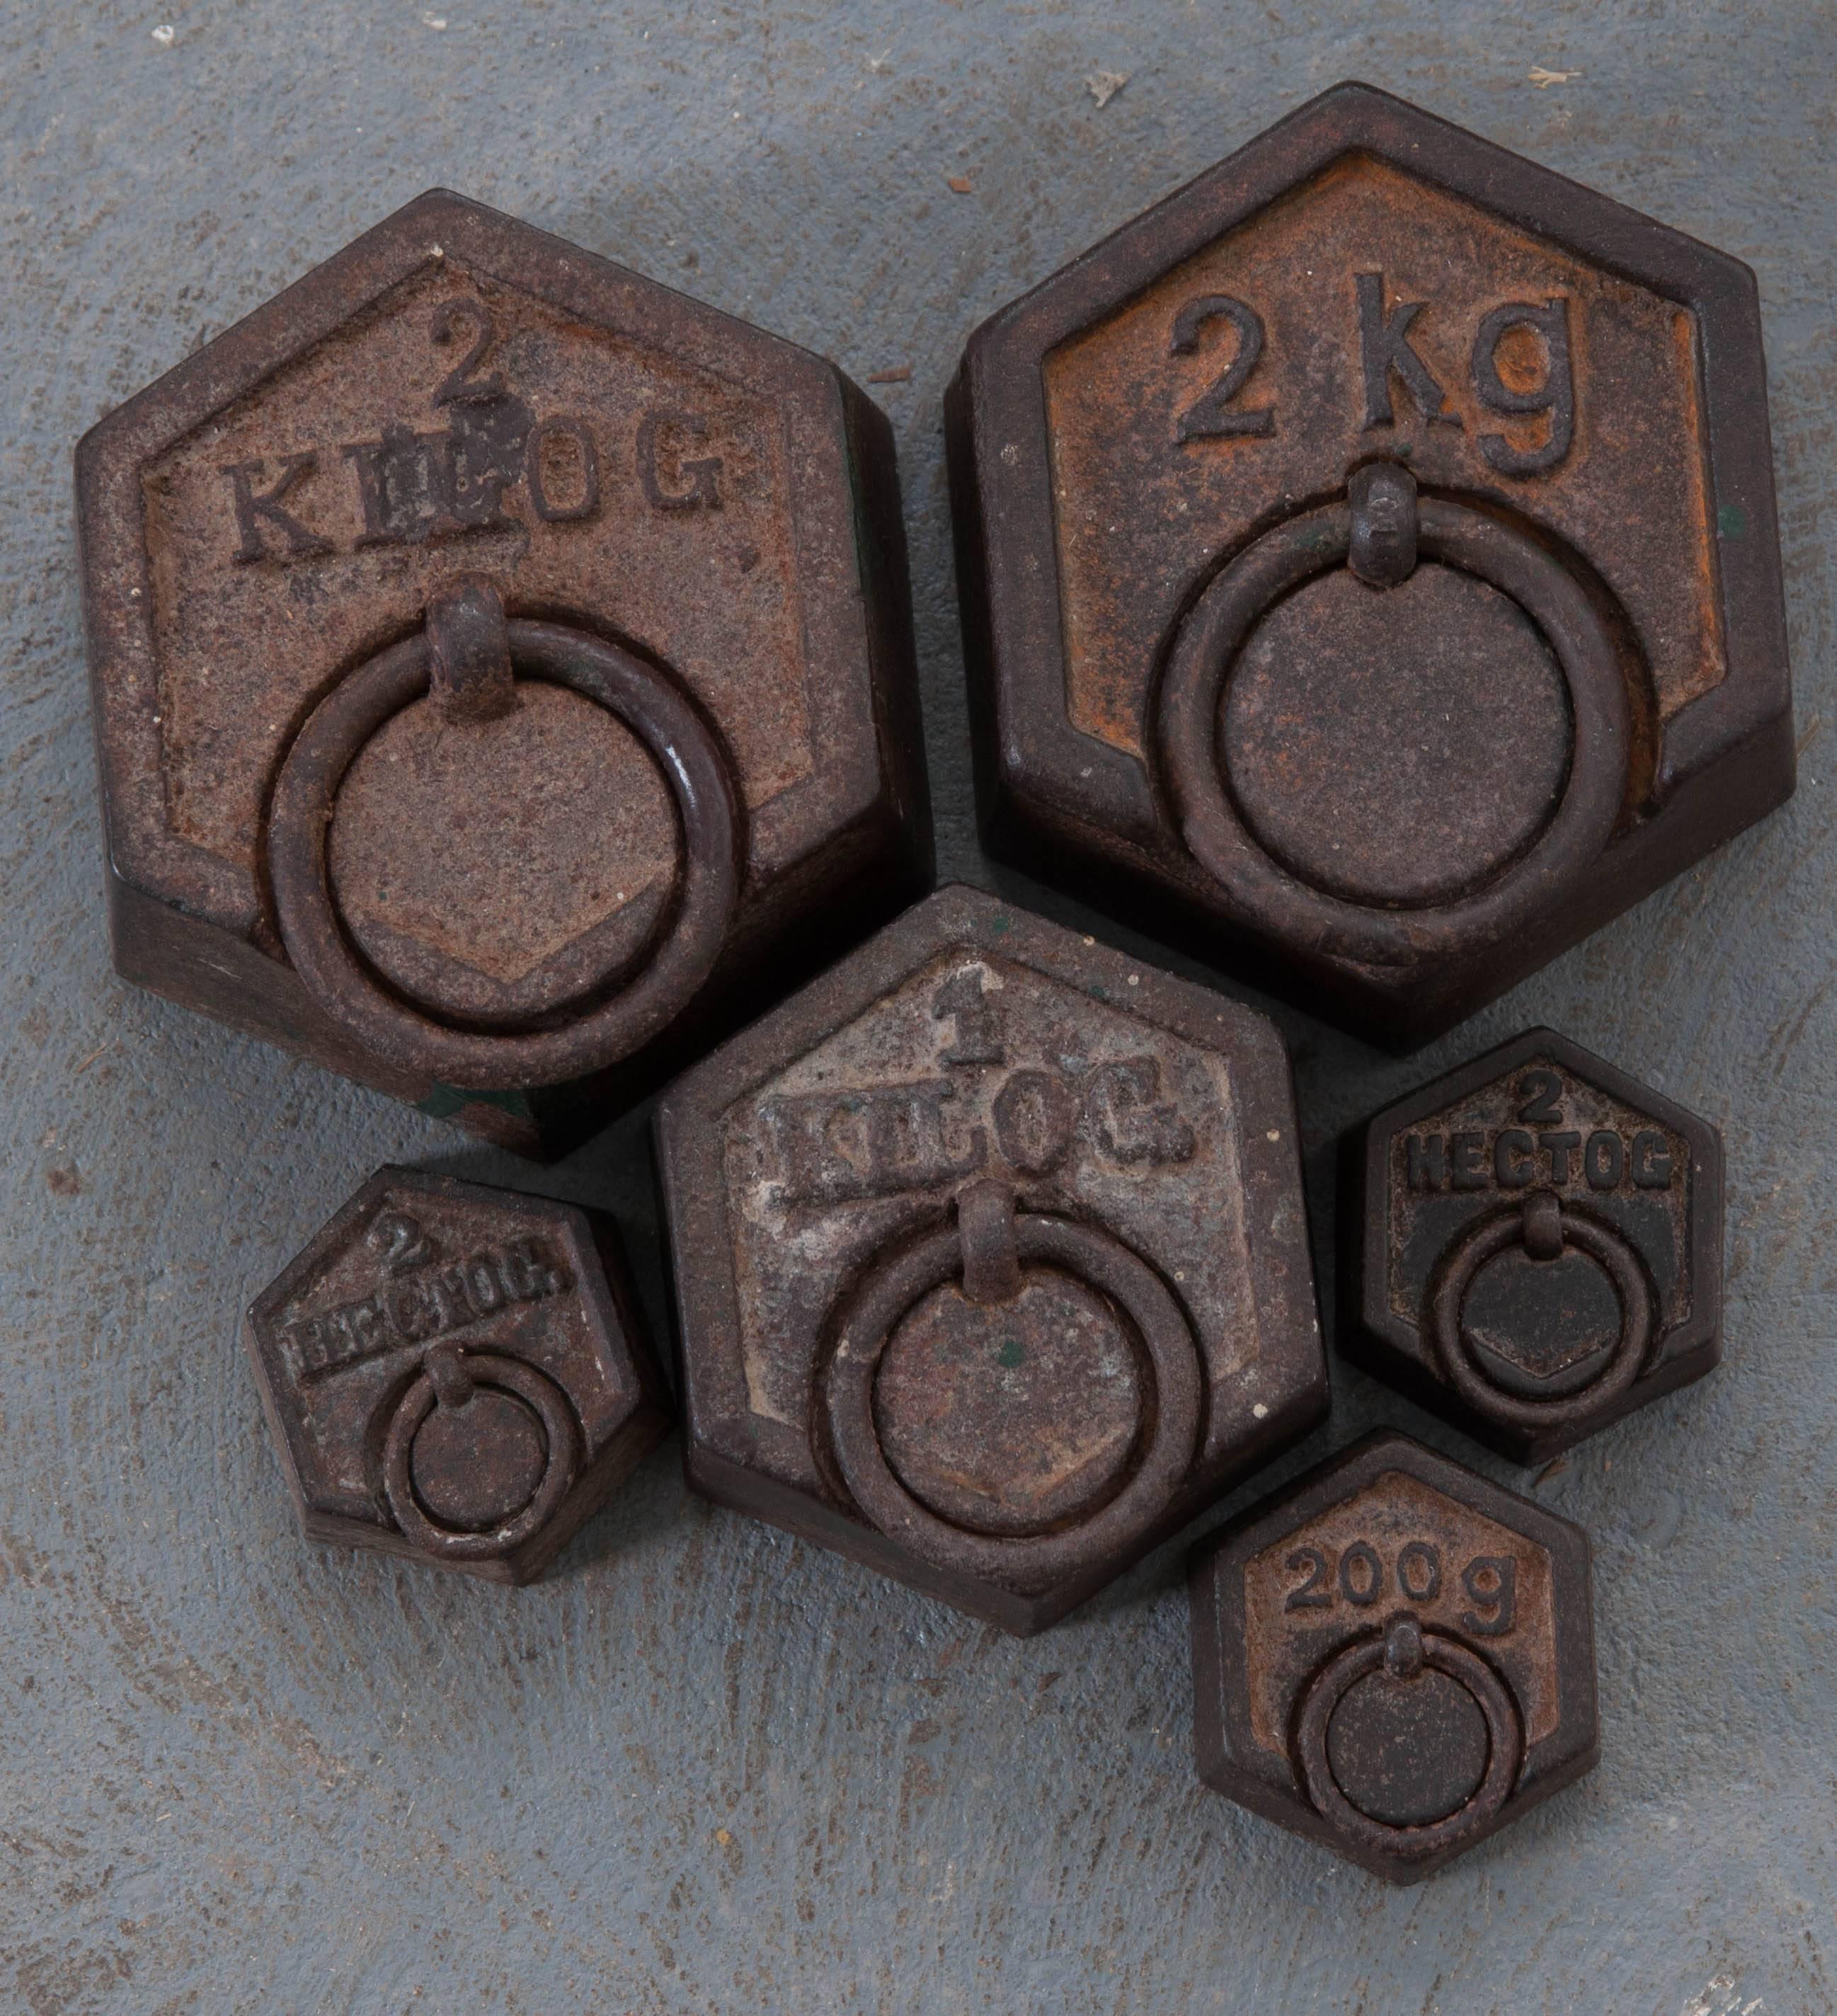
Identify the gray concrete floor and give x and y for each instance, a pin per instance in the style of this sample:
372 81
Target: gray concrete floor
705 1769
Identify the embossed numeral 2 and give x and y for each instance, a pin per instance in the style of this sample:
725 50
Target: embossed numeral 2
400 1240
1542 1090
451 319
1314 1593
1210 417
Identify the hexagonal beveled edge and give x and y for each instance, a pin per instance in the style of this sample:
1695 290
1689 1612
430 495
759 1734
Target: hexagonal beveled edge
1044 788
644 1412
1002 397
1695 1344
820 408
764 1467
1215 1569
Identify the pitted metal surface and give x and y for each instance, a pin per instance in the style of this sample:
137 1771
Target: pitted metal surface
509 653
989 1257
1394 1657
1370 564
1532 1245
456 1373
700 1766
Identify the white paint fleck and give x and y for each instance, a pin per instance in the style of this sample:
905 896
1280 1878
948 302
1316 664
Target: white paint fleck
165 35
1275 1134
1104 85
1259 1410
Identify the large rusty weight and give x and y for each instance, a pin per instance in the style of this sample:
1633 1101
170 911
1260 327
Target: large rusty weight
990 1258
1393 1657
1370 573
572 712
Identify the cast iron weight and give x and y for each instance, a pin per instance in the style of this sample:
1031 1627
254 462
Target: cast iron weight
1532 1245
572 711
990 1259
1369 565
1394 1657
455 1374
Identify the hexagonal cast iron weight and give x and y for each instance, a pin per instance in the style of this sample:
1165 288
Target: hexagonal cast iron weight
1532 1245
455 1374
1370 565
502 673
1394 1657
990 1259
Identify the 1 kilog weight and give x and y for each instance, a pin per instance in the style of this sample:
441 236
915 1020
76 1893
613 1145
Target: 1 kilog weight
990 1258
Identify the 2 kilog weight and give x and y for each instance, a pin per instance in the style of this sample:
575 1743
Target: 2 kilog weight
1370 565
501 673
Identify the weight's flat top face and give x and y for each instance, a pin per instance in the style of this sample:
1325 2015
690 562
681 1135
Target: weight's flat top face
1452 1180
1302 1599
425 1282
457 392
1402 781
971 1045
1155 474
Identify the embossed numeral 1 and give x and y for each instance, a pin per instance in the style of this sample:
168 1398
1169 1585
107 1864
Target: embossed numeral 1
1211 417
961 1001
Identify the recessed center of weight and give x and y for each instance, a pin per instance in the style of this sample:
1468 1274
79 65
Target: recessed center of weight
1407 1753
1015 1416
494 870
1396 747
476 1466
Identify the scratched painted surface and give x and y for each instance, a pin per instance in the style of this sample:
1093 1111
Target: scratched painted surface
706 1769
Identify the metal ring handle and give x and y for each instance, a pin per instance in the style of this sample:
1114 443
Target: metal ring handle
884 1298
510 1375
305 797
1462 1262
1206 647
1505 1744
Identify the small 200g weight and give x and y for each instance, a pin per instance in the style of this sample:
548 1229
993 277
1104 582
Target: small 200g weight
501 673
455 1374
1370 565
1394 1657
990 1259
